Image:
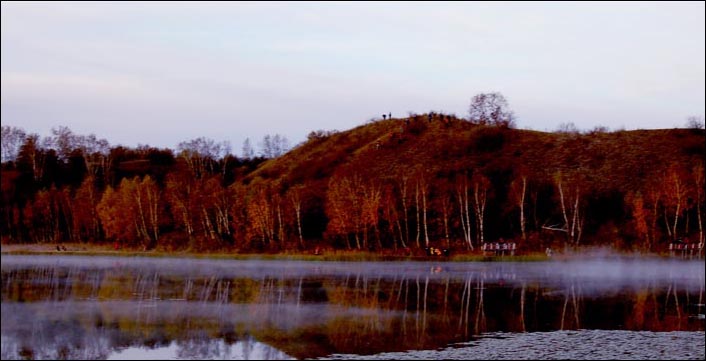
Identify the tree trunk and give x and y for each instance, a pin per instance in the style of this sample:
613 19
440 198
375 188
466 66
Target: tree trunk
399 227
424 207
445 215
522 208
416 201
462 192
480 197
153 200
280 228
653 221
298 212
666 223
403 194
699 183
563 209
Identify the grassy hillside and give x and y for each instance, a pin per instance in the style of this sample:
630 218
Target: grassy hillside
622 159
611 168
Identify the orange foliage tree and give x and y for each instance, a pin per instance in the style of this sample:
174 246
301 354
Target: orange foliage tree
130 213
353 207
85 213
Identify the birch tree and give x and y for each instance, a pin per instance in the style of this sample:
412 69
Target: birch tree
462 188
215 209
444 203
652 199
262 213
142 198
402 184
422 191
518 189
295 196
570 198
481 187
698 176
675 195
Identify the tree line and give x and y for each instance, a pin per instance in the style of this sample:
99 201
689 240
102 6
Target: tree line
73 188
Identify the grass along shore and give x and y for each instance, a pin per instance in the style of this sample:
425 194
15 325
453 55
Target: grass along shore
83 249
328 255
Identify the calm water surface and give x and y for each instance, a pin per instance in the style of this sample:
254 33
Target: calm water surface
56 307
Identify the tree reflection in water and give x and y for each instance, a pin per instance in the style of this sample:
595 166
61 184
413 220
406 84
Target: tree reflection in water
73 307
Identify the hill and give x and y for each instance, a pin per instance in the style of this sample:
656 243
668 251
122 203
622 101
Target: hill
607 171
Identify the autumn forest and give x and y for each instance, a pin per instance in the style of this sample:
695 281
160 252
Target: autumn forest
390 185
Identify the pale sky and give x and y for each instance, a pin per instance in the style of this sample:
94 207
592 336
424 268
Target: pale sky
161 73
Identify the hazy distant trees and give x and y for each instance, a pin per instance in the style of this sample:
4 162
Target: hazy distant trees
491 109
695 122
12 139
63 140
568 128
272 146
248 152
33 154
201 154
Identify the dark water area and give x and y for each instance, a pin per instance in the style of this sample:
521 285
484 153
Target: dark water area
58 307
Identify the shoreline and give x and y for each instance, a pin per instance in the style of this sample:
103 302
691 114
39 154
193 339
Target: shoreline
79 249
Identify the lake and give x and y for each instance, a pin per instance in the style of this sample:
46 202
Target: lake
80 307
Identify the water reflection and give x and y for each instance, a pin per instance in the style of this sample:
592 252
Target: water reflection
100 307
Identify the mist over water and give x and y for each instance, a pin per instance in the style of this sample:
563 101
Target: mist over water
200 308
608 268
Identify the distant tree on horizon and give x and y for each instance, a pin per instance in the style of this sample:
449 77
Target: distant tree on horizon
248 152
695 122
491 109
